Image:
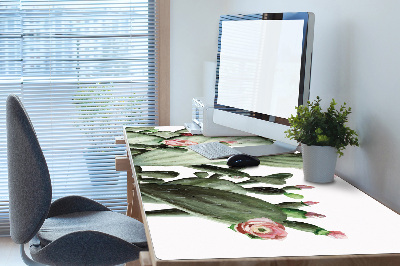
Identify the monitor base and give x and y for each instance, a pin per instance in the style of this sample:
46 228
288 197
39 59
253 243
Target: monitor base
264 150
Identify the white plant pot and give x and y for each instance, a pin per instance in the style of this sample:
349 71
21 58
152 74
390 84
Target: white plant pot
319 163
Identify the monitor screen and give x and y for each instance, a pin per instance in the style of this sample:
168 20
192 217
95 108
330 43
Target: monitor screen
260 63
263 71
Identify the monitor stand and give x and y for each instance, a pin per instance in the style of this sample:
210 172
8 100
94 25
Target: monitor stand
264 150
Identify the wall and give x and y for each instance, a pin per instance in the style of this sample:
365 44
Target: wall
355 60
194 41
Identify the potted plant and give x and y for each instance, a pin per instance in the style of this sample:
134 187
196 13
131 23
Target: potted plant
323 135
97 106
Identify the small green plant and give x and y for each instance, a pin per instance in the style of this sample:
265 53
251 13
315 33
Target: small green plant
312 126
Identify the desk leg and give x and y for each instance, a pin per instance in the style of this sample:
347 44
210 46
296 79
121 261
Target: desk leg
133 263
129 192
122 164
133 199
133 211
144 260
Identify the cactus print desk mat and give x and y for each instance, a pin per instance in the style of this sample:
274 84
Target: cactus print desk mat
177 184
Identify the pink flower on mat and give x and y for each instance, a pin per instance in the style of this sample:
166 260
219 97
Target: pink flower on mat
179 142
309 203
228 141
261 228
186 134
314 215
304 186
337 235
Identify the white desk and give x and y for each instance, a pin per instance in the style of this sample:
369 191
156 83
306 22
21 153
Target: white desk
371 228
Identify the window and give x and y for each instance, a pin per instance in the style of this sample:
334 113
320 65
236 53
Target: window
83 69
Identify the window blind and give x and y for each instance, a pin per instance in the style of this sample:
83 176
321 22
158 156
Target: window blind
83 69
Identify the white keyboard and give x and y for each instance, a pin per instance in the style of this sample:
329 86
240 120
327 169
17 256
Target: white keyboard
214 150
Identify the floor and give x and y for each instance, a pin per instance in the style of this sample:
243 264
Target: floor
10 256
9 253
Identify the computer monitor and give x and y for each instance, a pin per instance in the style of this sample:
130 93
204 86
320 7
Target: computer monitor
263 73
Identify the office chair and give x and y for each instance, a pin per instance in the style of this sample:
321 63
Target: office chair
70 231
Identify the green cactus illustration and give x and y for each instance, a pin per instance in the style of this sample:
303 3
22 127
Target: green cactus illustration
208 193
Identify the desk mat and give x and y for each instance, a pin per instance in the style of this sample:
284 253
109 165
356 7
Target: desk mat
219 193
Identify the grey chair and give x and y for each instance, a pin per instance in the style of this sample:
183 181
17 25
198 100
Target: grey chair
70 231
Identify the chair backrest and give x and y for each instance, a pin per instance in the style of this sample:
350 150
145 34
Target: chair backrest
29 183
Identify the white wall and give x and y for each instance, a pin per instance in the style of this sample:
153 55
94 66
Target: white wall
194 41
356 60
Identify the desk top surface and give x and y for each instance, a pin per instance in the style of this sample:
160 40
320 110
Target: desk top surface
201 209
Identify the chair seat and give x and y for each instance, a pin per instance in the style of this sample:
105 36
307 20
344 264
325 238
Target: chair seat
108 222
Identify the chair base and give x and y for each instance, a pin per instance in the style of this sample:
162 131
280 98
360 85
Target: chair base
26 259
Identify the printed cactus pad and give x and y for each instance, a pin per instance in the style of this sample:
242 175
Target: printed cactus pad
211 194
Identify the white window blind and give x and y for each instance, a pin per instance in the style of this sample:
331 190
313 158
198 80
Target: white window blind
83 69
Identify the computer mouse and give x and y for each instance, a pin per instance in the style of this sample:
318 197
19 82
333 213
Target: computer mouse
242 160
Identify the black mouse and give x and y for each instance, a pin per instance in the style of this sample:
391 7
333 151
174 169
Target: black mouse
242 160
